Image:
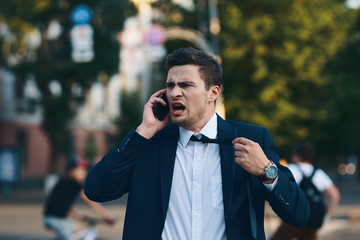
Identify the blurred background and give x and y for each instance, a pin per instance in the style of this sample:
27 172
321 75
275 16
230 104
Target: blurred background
74 76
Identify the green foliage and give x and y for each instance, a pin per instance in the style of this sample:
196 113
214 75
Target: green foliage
343 73
53 58
275 55
291 66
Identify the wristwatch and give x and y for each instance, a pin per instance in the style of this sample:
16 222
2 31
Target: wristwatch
270 172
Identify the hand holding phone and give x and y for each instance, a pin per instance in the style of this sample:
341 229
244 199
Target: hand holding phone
160 111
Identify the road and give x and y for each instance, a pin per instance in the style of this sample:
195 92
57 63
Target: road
21 219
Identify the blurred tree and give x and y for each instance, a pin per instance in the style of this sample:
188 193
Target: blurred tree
274 58
343 74
52 60
288 65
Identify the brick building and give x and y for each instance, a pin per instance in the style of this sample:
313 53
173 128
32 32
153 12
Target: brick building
25 150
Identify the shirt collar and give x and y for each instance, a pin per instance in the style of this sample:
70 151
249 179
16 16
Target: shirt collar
209 130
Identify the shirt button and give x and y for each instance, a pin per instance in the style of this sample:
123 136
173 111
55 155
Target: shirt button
196 214
197 184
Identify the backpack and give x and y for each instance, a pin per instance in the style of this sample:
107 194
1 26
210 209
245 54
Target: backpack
316 201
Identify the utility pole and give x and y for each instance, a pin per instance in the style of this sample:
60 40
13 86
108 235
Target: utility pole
214 25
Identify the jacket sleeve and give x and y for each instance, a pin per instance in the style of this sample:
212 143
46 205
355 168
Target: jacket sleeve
287 200
109 178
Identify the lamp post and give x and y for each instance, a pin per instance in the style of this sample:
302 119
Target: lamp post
214 25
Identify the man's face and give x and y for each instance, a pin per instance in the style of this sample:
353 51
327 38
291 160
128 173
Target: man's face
191 105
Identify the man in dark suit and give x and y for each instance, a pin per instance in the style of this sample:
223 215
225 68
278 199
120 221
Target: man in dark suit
180 184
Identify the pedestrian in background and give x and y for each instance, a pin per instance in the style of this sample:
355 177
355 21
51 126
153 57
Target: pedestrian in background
322 193
59 211
180 183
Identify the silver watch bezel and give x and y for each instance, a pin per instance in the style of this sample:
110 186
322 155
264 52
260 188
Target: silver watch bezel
268 171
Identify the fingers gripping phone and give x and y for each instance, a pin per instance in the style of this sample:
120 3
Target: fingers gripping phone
160 111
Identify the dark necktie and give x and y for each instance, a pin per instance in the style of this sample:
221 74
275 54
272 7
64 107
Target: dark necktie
205 139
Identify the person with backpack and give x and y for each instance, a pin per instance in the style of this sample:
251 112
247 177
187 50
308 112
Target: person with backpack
320 190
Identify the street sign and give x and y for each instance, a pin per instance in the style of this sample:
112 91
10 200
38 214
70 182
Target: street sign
155 35
81 14
82 43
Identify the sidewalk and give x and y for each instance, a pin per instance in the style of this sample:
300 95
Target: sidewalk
21 217
337 228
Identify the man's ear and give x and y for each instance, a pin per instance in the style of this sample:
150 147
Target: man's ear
214 92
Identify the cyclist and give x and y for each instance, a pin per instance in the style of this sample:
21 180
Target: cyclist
59 211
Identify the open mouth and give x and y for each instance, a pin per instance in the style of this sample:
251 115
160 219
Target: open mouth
177 108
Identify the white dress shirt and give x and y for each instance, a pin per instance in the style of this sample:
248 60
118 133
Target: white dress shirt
196 209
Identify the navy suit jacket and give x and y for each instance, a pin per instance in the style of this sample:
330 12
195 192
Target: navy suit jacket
143 168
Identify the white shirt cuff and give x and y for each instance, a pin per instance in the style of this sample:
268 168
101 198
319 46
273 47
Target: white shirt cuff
271 186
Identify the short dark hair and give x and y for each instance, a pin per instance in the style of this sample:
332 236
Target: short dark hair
305 150
209 68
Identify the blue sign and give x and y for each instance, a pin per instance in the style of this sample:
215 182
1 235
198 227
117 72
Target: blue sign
81 14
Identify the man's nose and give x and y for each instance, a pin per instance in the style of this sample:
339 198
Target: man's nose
175 91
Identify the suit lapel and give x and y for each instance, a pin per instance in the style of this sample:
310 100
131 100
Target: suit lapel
167 160
232 175
227 165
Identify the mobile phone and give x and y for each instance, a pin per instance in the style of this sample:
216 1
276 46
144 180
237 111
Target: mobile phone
160 111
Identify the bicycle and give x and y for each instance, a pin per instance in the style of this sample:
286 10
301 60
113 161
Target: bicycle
89 232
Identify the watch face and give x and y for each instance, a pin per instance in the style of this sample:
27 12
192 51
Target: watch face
271 172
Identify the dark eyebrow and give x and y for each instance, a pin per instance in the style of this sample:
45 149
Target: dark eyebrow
180 83
170 84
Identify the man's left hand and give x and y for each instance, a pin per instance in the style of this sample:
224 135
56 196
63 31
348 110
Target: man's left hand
250 156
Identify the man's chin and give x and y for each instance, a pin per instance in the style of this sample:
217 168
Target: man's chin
178 121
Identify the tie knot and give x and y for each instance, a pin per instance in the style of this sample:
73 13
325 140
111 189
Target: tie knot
200 138
204 139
